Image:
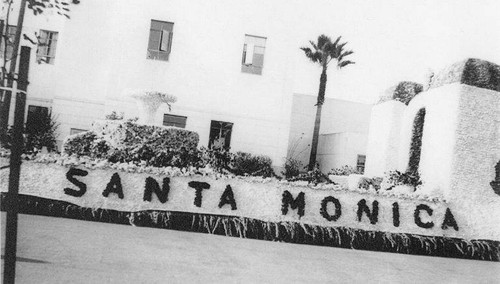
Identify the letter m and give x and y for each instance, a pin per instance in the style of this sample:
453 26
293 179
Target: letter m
297 203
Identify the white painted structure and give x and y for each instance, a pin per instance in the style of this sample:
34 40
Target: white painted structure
343 131
102 52
460 144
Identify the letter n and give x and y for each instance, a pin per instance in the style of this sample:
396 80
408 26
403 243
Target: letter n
371 214
152 186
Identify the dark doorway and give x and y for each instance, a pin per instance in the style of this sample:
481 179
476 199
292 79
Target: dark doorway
220 134
416 141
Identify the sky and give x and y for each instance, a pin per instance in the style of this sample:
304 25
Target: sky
398 40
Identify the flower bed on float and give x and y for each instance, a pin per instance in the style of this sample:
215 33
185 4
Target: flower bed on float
201 200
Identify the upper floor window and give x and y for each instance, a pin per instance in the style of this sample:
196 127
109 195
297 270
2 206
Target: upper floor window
47 42
253 54
160 40
7 41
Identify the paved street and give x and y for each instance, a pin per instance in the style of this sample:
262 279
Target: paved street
56 250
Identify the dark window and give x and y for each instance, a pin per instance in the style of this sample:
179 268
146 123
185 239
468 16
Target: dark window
220 134
47 42
76 131
6 46
36 115
360 164
160 40
253 54
174 120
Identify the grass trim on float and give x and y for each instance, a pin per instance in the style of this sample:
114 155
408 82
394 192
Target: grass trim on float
290 232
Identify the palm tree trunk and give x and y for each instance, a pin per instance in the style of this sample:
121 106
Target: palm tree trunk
317 122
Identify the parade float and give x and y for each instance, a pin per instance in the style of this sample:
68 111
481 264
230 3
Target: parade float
453 210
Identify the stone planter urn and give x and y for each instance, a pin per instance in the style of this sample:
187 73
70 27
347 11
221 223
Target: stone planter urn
148 103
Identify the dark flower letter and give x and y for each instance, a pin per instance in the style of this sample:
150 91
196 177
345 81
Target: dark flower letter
228 198
70 175
299 203
199 186
153 186
114 186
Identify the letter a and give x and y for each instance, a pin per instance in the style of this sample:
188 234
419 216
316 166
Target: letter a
114 186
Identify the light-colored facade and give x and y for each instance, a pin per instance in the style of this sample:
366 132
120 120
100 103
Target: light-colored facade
104 51
343 132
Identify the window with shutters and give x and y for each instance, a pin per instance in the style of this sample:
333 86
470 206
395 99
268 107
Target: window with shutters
253 54
7 41
46 51
174 120
160 40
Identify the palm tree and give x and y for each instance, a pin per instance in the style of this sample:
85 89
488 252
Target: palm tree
323 51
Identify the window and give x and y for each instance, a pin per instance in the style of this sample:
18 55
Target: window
360 164
76 131
46 51
220 134
6 46
253 54
160 40
36 115
174 120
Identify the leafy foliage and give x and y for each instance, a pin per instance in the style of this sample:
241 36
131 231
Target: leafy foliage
314 176
38 134
292 168
344 171
253 165
114 116
87 144
403 178
41 133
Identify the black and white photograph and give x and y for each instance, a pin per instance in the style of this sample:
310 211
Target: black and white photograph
250 141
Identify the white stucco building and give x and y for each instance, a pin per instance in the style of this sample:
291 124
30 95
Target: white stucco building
232 70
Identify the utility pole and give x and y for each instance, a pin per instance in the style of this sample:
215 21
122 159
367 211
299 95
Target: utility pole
9 274
5 111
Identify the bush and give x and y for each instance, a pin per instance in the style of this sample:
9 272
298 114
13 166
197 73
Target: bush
114 116
86 144
292 168
315 176
38 133
41 133
395 178
218 158
253 165
344 171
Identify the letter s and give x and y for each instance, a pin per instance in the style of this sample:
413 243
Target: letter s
70 175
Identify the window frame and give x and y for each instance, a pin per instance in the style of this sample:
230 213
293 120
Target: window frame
253 68
183 125
48 56
227 138
156 53
8 45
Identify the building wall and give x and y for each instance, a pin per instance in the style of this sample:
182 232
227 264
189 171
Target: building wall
339 149
384 137
101 54
476 152
344 125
